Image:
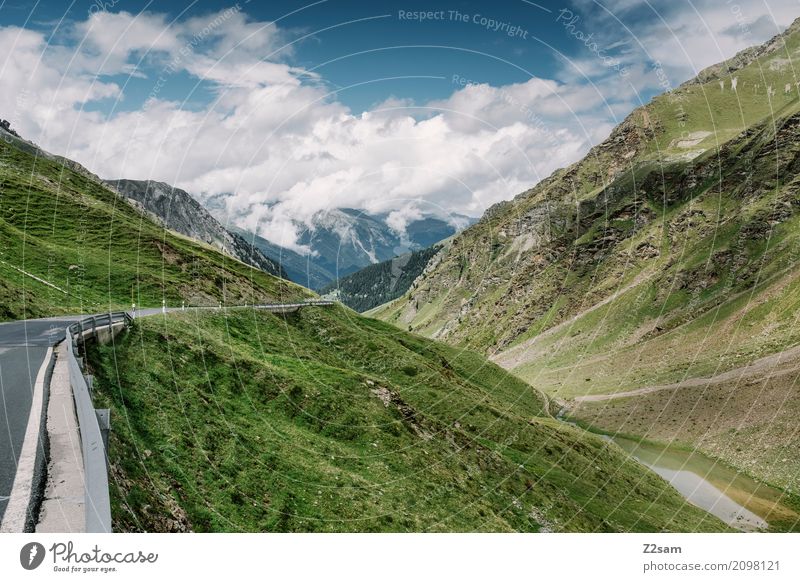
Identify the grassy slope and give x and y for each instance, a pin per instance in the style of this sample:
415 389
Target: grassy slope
323 420
699 239
530 255
722 292
65 228
725 294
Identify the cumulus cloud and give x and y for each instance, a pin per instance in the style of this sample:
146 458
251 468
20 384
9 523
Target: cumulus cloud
278 148
274 138
398 220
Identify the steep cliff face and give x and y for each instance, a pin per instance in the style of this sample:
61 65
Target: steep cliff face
177 210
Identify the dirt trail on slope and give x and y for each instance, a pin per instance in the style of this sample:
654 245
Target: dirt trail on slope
778 364
526 352
519 354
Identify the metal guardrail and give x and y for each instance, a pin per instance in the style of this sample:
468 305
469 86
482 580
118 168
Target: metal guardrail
320 303
149 311
93 445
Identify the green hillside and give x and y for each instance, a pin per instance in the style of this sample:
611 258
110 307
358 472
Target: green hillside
70 245
533 262
377 284
670 253
322 420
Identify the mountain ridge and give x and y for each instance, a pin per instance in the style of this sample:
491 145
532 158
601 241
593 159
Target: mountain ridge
379 283
180 211
343 241
668 252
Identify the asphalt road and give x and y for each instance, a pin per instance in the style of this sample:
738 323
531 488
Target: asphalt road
23 346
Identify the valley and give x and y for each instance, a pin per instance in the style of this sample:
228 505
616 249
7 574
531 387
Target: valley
616 349
235 419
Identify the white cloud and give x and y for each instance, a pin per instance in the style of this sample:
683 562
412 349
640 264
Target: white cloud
108 40
685 36
281 144
286 149
398 220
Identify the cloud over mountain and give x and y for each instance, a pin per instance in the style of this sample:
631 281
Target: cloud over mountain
275 134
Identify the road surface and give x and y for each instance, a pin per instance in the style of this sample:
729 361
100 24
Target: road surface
23 347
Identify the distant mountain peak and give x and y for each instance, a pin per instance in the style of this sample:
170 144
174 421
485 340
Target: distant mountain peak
346 240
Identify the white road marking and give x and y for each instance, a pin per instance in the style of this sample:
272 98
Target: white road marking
17 509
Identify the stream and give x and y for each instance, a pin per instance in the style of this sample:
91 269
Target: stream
736 499
740 501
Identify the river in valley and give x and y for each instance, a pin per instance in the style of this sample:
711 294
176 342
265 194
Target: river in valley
738 500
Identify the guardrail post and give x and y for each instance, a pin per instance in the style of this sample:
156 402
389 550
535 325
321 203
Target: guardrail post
104 421
89 383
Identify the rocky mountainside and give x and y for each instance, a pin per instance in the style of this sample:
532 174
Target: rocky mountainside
301 268
670 252
177 210
521 260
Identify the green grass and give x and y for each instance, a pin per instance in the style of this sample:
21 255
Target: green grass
98 253
250 421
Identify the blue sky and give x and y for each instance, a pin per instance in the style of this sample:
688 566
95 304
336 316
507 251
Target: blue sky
349 42
290 108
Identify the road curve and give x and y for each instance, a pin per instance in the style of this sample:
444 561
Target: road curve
23 346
